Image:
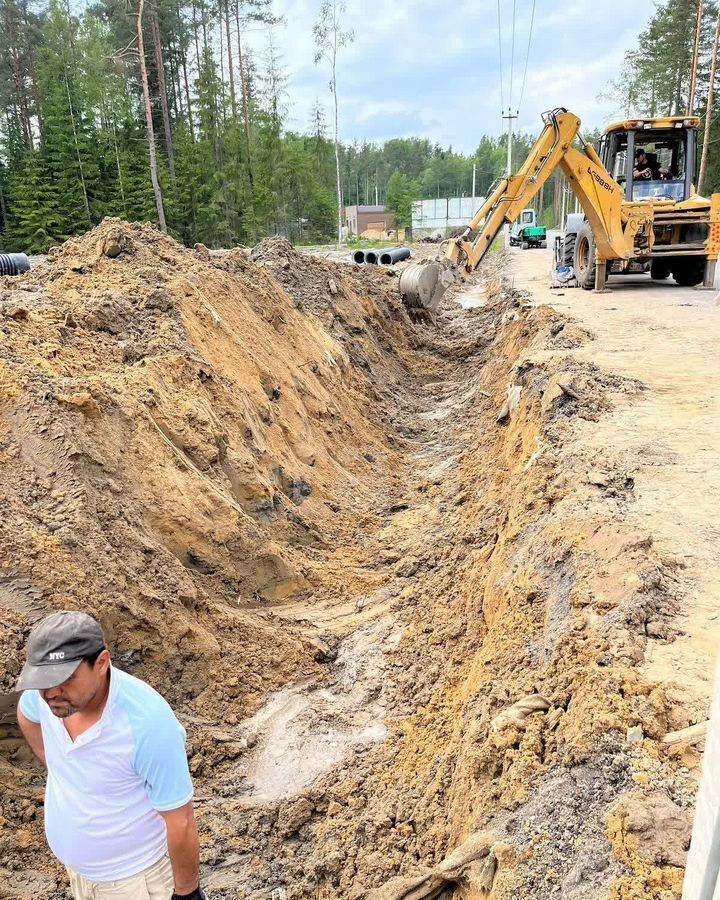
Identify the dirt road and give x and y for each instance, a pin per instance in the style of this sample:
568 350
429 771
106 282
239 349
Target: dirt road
668 338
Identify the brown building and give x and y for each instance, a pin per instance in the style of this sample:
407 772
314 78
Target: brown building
362 218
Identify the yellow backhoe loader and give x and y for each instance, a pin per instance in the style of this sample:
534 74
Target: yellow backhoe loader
646 215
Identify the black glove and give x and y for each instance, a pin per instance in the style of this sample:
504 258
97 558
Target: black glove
197 894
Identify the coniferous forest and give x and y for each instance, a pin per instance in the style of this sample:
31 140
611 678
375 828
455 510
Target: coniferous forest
160 110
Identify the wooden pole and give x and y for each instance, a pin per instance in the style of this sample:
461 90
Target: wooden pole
709 109
696 54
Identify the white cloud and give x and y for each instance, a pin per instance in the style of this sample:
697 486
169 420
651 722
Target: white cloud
420 67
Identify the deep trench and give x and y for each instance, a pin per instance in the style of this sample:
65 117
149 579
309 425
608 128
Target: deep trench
450 595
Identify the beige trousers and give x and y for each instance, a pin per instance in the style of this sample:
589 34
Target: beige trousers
155 883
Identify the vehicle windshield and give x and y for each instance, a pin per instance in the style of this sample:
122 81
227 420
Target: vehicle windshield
658 163
659 190
527 217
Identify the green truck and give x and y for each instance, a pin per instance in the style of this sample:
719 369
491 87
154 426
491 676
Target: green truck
527 233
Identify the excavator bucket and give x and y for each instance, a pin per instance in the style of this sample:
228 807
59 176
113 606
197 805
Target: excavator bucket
422 285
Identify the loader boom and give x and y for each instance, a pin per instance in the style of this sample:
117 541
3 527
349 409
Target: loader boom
599 195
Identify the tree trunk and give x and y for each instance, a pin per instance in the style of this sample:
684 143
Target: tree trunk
244 95
196 35
162 87
188 100
222 72
233 105
34 81
77 151
3 207
337 152
11 30
157 190
119 167
709 109
695 59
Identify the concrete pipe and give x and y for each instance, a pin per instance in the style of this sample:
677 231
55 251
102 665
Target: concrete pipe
372 257
390 257
14 263
359 257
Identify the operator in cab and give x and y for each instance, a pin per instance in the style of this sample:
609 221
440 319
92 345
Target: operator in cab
646 167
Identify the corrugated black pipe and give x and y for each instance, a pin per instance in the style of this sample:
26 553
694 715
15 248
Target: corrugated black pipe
14 263
390 257
359 257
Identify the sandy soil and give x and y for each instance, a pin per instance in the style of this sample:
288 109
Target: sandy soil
668 338
415 591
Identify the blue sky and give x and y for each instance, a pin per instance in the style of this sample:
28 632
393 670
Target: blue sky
428 68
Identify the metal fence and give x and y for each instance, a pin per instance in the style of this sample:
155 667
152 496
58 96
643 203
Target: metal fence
443 213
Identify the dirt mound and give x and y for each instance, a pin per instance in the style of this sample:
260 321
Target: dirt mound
172 432
375 568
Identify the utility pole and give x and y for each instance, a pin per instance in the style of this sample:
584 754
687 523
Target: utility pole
709 109
696 54
510 117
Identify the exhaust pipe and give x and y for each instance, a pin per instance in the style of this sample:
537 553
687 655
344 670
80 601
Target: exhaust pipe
14 263
390 257
359 257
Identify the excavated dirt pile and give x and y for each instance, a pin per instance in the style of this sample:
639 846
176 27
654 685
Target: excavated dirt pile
370 564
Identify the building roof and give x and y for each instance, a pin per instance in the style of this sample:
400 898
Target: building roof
368 209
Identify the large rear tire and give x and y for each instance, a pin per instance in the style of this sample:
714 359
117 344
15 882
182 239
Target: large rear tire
568 254
689 270
584 257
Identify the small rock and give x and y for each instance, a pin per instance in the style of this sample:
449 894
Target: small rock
635 735
332 286
600 479
293 817
408 567
15 311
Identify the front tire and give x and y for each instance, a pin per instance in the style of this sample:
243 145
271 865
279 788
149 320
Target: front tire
659 269
568 254
584 257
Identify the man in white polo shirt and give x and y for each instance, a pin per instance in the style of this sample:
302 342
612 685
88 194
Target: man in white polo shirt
118 801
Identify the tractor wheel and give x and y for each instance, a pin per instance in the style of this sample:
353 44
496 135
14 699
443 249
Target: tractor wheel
659 269
525 245
584 257
689 270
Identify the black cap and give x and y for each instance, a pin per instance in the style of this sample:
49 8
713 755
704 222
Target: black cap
56 647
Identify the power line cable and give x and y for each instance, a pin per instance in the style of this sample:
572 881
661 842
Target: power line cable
502 97
527 56
512 57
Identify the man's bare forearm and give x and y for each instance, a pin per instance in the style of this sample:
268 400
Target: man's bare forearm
32 733
183 848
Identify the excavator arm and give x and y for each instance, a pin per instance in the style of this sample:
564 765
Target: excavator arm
599 195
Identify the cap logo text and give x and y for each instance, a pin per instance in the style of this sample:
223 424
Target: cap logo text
60 654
